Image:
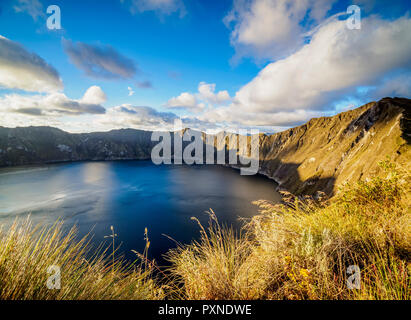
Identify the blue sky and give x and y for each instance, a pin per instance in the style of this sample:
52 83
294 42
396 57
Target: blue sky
251 51
195 48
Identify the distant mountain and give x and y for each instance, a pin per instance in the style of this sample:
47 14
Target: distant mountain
34 145
317 156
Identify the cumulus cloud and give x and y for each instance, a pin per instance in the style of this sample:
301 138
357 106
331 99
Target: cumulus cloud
337 66
333 63
207 92
272 28
32 7
197 102
160 7
232 117
94 95
186 101
21 69
54 104
99 61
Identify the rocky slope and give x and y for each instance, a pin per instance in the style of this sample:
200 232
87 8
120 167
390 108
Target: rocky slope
317 156
326 152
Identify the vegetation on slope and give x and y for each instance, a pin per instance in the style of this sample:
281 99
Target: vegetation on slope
328 151
299 249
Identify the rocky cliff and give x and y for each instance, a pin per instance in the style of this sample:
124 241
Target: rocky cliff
317 156
326 152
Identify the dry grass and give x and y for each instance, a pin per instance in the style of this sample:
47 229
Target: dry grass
207 269
26 253
301 249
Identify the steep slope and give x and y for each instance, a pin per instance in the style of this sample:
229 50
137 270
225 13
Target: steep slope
317 156
328 151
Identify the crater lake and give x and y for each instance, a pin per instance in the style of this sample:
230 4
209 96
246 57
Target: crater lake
131 196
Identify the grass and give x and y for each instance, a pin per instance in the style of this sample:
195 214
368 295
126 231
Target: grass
27 253
299 249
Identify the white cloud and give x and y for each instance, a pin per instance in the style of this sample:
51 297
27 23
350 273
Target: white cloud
32 7
146 118
130 91
94 95
272 28
197 102
207 93
319 9
336 60
326 64
337 65
12 120
20 69
118 117
185 101
137 117
231 116
55 104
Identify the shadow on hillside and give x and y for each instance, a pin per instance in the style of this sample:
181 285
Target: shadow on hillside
405 122
287 175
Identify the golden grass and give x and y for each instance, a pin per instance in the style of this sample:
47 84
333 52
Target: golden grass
207 269
299 249
26 253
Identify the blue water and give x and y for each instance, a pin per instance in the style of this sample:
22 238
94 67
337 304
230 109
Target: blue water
131 195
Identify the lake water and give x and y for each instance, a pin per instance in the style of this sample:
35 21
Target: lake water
131 195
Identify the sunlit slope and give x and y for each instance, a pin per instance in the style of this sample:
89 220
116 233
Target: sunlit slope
326 152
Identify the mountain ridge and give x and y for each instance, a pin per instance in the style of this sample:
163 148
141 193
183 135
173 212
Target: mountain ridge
328 151
317 156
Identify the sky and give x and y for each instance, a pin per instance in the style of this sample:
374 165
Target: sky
97 65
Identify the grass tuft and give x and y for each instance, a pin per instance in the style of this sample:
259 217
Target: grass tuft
27 253
301 248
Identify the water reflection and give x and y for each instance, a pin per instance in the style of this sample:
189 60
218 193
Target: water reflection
130 195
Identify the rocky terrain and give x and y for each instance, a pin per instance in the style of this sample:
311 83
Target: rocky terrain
317 156
326 152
